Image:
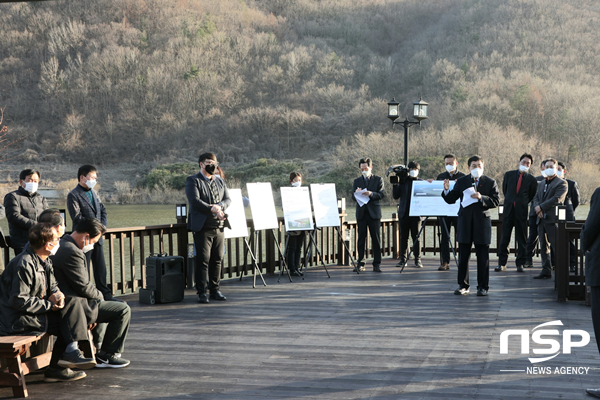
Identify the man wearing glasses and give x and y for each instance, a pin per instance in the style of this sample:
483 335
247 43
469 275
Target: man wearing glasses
208 199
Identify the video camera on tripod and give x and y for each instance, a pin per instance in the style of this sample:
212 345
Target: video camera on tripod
401 173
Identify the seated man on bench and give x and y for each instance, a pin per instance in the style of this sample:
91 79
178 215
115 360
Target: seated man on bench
32 303
73 278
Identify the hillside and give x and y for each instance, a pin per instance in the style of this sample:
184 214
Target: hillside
148 81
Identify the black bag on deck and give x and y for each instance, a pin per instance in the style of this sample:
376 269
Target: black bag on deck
165 278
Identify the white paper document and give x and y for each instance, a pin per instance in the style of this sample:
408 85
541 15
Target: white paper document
361 197
467 199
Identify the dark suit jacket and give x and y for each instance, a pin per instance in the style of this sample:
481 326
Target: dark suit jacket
70 270
446 175
474 222
374 206
572 200
79 207
22 212
555 194
532 208
590 241
521 200
402 191
197 190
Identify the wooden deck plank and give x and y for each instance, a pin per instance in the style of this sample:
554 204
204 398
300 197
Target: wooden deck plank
367 336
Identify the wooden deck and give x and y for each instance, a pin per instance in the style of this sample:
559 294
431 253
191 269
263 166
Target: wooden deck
368 336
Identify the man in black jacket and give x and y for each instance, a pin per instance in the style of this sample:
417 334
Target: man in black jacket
519 188
368 187
23 208
70 268
590 246
208 199
474 223
401 191
452 173
32 303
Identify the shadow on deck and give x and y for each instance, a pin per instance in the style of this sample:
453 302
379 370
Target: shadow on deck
368 336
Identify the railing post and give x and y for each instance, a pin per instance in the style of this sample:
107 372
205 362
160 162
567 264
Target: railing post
343 256
396 236
562 261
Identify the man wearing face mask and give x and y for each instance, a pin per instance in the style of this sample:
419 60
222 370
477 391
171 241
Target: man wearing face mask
551 192
452 173
84 202
369 215
70 269
519 188
474 223
401 192
208 198
571 202
532 239
23 208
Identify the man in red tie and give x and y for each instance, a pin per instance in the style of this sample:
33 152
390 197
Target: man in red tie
519 188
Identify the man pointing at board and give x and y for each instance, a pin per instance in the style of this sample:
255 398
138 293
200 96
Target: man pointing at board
478 193
208 199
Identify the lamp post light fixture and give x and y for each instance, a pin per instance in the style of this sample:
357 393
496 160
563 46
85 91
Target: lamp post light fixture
419 113
181 212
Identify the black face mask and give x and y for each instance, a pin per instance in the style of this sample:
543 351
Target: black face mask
210 168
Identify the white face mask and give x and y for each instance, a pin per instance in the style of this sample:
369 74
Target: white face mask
413 173
550 172
91 183
476 172
55 249
544 174
297 184
88 247
523 168
450 168
560 174
31 187
366 173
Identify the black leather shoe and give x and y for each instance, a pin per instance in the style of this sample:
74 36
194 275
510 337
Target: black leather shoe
203 298
462 291
520 268
500 268
376 268
401 263
216 295
528 264
481 292
593 392
295 273
444 267
543 276
360 267
418 263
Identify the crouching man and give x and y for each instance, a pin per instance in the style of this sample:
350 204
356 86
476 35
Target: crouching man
72 276
32 303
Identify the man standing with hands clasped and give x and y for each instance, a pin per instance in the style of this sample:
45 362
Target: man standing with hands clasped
478 193
208 198
368 215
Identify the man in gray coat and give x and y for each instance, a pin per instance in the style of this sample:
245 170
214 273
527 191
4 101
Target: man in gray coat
551 192
208 199
590 246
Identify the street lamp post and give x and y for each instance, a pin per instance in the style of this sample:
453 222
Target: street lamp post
419 113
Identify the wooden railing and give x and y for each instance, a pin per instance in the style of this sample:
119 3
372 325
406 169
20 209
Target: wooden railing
126 250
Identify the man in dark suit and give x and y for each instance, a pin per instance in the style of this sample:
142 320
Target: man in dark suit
208 199
550 193
571 202
519 188
590 246
70 269
452 173
532 239
474 223
401 191
370 187
84 202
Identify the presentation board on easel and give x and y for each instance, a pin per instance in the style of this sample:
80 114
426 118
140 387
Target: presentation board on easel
262 206
236 216
324 199
426 200
297 212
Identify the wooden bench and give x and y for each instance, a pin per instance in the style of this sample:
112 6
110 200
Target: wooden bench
14 349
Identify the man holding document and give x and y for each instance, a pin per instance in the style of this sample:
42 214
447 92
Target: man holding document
478 194
368 191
